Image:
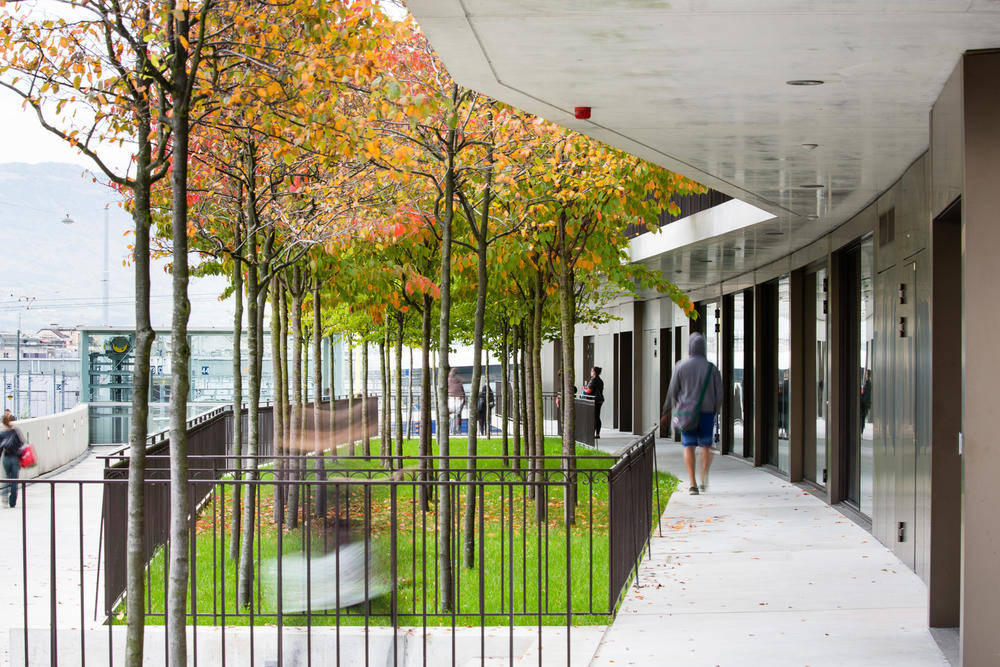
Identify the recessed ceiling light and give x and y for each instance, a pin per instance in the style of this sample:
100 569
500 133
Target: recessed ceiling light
809 147
774 233
814 186
812 216
804 82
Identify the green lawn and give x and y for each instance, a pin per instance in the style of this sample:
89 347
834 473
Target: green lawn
525 560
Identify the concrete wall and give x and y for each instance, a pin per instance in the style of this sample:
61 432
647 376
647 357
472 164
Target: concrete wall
58 439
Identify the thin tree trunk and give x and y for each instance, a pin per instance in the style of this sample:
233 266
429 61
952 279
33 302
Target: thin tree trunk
527 407
366 443
399 387
425 403
333 397
144 335
350 396
384 435
320 506
244 589
567 318
541 494
292 506
482 275
409 399
279 328
180 505
505 392
446 567
515 398
235 521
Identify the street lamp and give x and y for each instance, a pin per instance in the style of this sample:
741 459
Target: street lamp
107 273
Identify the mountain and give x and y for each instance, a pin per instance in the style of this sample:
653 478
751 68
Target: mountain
51 272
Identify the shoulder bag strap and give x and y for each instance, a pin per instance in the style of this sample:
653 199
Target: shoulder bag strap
704 386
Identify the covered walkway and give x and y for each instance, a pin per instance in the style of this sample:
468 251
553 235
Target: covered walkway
758 571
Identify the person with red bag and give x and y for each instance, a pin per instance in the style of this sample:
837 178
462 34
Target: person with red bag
11 445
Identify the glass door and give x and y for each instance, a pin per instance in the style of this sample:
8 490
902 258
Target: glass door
817 382
784 331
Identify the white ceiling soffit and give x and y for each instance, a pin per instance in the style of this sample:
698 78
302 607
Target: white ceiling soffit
699 86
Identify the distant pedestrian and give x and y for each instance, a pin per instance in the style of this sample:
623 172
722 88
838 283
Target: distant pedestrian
595 389
11 445
694 398
456 401
483 406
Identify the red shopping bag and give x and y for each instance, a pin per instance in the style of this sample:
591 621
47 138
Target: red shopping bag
28 456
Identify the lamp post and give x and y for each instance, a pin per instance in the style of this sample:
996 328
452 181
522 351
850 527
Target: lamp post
107 272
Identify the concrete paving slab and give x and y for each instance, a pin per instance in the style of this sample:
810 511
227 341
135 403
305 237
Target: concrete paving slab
757 571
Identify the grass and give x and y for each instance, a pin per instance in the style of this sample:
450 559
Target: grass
524 580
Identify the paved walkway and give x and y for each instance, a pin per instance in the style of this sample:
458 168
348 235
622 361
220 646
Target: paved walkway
759 572
33 518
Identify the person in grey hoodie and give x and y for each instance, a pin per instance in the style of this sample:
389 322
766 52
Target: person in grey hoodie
685 388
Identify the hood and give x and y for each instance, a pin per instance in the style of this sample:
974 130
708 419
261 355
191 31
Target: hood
696 345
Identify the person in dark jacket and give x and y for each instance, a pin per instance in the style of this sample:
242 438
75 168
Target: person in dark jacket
595 389
10 445
484 404
685 387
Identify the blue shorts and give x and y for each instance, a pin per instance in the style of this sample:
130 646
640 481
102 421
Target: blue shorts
701 436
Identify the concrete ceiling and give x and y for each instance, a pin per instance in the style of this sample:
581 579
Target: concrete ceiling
699 86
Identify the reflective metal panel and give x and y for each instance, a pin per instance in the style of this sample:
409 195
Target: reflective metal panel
905 451
922 426
883 407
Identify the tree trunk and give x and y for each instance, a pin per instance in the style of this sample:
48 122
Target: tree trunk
295 444
505 392
409 399
425 402
567 319
235 521
366 443
477 357
320 506
350 396
333 398
399 388
384 435
135 548
541 495
244 589
279 328
515 399
180 504
527 404
446 574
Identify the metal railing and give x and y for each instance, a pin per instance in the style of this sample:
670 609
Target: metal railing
359 579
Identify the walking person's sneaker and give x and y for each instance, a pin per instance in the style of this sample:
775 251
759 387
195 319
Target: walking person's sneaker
693 490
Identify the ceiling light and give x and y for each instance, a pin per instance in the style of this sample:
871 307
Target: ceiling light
812 216
804 82
814 186
773 233
809 147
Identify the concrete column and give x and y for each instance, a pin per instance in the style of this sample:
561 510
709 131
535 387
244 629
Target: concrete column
981 452
638 325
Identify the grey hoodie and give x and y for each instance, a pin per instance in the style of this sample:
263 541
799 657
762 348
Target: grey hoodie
688 377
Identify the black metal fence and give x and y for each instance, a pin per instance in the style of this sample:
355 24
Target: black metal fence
358 576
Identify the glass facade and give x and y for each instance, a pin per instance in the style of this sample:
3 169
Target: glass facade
784 372
107 368
865 373
822 382
738 389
